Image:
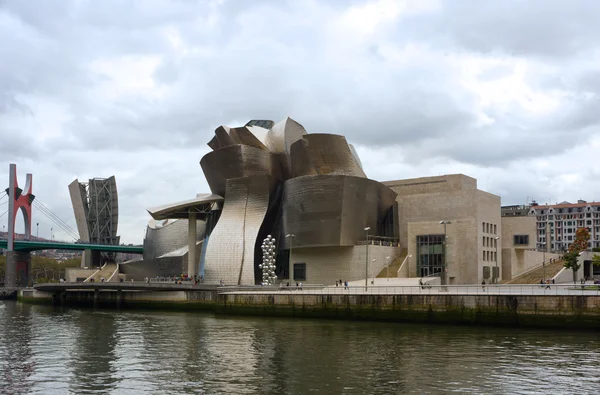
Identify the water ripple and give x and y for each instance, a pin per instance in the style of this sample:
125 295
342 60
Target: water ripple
45 350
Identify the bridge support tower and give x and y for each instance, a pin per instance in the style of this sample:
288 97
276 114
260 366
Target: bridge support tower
18 263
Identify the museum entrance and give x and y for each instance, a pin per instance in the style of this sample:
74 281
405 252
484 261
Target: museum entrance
430 255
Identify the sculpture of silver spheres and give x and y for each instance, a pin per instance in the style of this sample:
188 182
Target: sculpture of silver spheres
268 263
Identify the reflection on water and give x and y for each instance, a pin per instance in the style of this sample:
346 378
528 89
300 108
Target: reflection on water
49 350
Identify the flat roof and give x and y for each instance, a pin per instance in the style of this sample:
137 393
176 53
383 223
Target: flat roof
202 204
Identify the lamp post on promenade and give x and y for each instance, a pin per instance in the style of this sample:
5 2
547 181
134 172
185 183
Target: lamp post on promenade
387 258
445 222
496 256
408 263
290 263
544 262
367 257
373 281
51 234
37 230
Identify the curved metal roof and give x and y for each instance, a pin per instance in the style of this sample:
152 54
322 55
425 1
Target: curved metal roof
202 204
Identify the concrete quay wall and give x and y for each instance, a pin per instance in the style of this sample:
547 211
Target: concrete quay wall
168 300
577 312
551 311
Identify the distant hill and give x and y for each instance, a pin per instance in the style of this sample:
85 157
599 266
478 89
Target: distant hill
21 236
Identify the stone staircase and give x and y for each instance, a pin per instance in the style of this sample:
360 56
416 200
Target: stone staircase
534 276
104 272
394 265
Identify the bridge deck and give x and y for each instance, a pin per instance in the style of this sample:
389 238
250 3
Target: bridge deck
23 245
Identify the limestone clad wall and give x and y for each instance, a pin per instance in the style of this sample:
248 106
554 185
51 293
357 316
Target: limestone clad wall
462 248
326 265
488 228
512 226
475 216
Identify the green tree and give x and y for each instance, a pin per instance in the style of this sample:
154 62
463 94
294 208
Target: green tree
571 257
596 260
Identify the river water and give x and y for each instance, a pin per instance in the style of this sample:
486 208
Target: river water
53 350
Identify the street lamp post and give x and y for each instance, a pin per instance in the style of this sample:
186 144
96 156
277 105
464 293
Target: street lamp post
373 261
496 256
408 262
445 222
367 257
290 263
51 234
387 258
37 230
544 263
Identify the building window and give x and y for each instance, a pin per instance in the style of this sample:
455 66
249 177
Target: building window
430 255
300 271
483 227
521 240
483 257
495 230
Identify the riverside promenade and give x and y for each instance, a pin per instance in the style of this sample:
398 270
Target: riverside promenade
557 306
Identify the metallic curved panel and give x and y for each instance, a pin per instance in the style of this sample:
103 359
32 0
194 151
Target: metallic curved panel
244 136
259 133
222 133
283 134
214 143
333 210
327 154
229 252
355 154
201 206
300 160
237 161
166 236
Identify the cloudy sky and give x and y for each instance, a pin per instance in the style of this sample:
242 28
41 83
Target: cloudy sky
504 91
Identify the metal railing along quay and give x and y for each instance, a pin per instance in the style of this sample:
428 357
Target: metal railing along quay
492 289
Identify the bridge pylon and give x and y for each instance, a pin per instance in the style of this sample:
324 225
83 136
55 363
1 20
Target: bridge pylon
18 263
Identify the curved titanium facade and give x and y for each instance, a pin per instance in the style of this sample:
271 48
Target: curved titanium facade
324 154
283 134
237 161
277 179
230 249
244 136
163 237
333 210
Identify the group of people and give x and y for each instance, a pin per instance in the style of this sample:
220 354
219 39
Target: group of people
92 280
546 283
342 283
298 285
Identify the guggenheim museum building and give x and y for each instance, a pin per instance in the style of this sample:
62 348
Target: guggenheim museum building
308 191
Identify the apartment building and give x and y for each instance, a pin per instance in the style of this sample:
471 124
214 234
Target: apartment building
556 224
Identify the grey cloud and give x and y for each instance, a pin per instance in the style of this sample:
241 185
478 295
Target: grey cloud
272 59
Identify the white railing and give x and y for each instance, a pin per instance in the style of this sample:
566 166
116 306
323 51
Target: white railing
493 289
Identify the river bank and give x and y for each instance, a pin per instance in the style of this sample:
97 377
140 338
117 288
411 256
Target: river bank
541 311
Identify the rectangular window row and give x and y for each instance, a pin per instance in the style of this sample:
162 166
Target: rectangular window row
491 242
486 227
489 256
